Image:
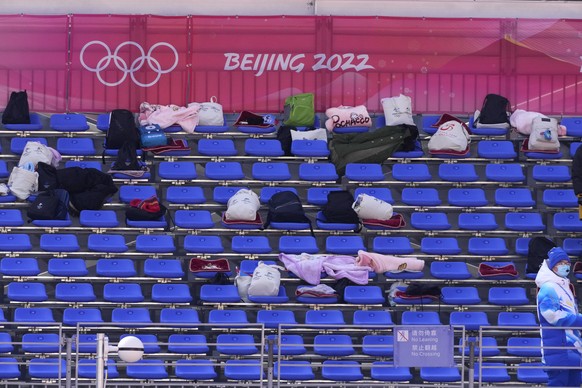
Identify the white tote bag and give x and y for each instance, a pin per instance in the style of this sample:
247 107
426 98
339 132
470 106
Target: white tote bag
451 136
315 134
22 182
35 152
266 280
243 206
398 110
544 135
211 113
368 207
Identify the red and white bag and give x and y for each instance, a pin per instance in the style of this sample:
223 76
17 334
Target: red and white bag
452 137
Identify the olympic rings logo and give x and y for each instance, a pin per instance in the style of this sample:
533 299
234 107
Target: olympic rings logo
121 64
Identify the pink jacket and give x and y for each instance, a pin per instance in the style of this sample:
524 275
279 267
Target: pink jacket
168 115
386 263
309 267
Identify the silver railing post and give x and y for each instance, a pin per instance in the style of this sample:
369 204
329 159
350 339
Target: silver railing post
271 343
69 347
100 365
471 361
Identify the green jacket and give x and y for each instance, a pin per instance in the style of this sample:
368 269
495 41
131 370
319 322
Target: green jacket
368 147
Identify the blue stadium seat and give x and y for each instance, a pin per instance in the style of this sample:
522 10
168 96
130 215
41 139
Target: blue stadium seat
11 217
68 122
488 348
251 244
496 149
298 244
185 317
465 197
323 223
507 172
477 221
34 125
293 370
88 369
309 148
392 245
6 343
273 318
75 292
453 270
224 171
371 318
221 194
17 144
203 244
522 245
177 171
491 372
567 222
544 155
236 344
485 131
524 346
532 373
98 218
263 147
243 370
364 172
271 171
26 292
508 296
427 123
115 268
84 164
76 146
338 370
163 268
324 317
171 293
9 369
487 246
129 192
122 293
68 267
344 245
147 369
19 266
420 318
551 173
460 296
73 316
33 315
47 368
514 197
216 147
560 198
219 293
472 320
317 172
3 175
440 374
185 195
440 246
193 219
195 369
213 128
573 126
411 172
524 222
15 242
458 172
574 147
41 343
59 242
378 345
335 345
572 246
419 196
136 316
150 243
187 344
291 344
429 221
386 371
363 295
318 195
382 193
514 318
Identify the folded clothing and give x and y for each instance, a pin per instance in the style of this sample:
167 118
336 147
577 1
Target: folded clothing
505 271
258 221
319 291
204 265
395 222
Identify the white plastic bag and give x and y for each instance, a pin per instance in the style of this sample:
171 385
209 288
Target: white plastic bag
211 113
398 110
35 152
23 182
243 206
544 135
368 207
316 134
266 280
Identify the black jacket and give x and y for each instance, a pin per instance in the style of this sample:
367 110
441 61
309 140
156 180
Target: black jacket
577 171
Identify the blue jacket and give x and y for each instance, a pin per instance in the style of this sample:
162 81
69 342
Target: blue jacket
557 307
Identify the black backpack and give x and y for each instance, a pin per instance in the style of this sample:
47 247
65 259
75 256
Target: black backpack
126 158
122 129
494 110
339 208
285 206
537 252
49 205
16 111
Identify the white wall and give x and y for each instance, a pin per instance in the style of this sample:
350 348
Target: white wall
415 8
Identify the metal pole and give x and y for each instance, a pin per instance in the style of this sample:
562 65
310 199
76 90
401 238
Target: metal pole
69 347
271 343
471 362
100 382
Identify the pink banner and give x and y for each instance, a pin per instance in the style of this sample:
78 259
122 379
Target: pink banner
95 63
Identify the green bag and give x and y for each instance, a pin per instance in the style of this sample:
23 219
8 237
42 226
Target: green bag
299 110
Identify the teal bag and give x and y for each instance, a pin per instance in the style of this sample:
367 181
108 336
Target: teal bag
299 110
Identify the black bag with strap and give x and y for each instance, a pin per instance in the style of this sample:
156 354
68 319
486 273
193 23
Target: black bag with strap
537 252
285 206
126 158
339 208
494 110
49 205
17 111
122 129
